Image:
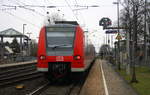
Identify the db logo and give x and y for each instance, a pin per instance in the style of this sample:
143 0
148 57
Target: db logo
59 58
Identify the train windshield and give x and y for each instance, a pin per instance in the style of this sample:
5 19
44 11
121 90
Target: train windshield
60 41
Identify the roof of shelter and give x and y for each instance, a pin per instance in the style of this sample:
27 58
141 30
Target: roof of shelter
11 33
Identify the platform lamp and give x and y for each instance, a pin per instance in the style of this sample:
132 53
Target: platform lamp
117 3
23 40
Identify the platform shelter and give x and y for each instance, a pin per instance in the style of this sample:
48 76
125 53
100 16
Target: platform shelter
11 33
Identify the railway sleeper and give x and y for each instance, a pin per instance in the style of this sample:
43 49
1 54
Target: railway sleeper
17 76
17 72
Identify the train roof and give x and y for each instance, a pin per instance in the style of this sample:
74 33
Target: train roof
61 25
67 22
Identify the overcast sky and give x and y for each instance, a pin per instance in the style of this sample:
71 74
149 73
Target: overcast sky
34 17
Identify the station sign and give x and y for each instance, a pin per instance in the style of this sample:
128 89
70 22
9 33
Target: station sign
105 21
111 31
115 28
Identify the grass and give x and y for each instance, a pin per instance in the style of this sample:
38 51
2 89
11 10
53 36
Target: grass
143 77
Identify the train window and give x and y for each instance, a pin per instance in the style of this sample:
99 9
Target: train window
52 29
60 34
60 41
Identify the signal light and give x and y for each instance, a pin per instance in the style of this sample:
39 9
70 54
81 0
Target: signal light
42 57
77 57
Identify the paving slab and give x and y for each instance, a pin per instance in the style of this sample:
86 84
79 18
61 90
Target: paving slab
103 80
115 83
94 83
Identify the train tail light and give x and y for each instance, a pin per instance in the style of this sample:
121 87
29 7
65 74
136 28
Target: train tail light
77 57
42 57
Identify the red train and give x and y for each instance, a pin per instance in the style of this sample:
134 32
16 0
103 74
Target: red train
63 48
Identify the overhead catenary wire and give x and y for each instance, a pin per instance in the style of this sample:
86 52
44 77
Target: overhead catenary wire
81 13
71 9
44 8
4 9
19 18
33 10
23 5
49 1
28 7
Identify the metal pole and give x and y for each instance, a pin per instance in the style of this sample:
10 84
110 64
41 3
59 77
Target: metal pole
29 33
23 42
115 53
23 34
112 41
29 44
2 48
145 35
128 43
118 34
128 53
108 39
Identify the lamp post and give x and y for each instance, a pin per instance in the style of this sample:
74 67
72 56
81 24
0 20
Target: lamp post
145 34
22 48
117 3
29 44
24 28
29 33
23 31
23 34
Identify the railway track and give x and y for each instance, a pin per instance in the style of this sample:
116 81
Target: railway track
16 74
9 75
73 88
48 89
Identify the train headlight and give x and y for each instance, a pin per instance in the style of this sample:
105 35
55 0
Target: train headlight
42 57
77 57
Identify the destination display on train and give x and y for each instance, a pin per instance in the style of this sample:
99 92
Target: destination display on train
52 29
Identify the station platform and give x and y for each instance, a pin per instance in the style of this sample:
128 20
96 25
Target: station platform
18 63
103 80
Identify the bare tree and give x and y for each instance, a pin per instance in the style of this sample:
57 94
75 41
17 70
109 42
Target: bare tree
133 18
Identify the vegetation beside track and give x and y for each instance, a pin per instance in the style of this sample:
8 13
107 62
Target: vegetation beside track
143 77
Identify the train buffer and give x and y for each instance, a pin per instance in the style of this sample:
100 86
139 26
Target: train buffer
103 80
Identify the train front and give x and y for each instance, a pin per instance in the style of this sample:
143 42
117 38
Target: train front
55 49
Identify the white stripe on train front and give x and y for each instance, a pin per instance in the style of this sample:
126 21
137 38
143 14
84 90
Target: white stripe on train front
43 69
72 69
77 69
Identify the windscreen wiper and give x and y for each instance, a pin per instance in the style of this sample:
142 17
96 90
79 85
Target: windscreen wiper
61 45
